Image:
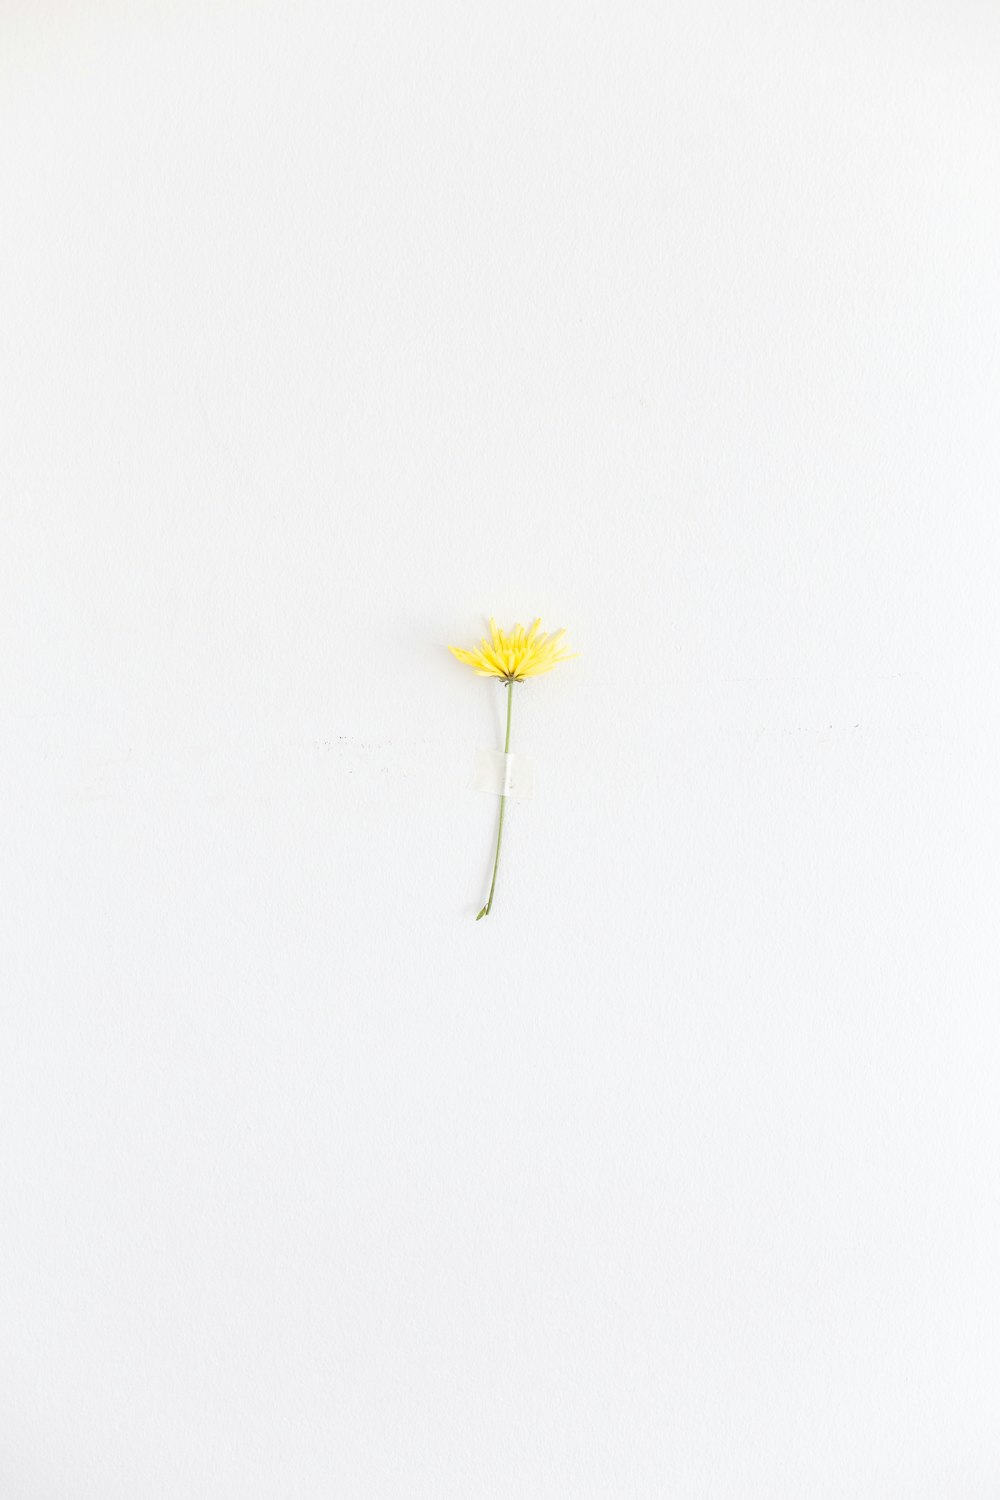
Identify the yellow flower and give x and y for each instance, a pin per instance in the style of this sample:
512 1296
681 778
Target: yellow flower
513 655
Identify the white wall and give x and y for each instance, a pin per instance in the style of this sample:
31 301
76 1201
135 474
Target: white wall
326 331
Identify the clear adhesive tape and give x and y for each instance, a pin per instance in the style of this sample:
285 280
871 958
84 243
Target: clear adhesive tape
504 775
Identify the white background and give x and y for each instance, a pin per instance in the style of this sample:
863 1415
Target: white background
325 331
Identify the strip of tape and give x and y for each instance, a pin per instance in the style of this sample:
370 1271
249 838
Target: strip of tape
504 775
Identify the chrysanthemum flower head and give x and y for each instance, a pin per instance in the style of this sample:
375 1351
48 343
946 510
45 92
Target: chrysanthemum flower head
513 655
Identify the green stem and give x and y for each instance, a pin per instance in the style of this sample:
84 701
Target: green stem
503 806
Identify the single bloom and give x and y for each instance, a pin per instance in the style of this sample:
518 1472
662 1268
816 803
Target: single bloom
513 655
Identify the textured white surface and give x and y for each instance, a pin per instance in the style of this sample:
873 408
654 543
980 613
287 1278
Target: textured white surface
326 331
